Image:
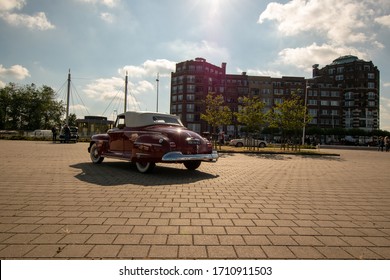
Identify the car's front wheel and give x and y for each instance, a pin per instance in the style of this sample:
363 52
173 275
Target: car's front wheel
262 145
239 144
192 165
145 167
94 154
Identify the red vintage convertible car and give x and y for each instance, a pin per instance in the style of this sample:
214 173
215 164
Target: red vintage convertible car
146 138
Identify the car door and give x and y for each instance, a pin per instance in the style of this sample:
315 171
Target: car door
116 135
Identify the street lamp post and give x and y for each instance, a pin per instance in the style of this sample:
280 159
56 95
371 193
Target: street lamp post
157 80
304 116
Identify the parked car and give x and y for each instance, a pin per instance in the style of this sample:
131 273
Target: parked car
74 136
248 142
146 138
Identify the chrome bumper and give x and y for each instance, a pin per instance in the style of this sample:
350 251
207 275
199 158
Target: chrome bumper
178 156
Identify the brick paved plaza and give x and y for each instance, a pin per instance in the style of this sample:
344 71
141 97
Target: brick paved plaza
56 204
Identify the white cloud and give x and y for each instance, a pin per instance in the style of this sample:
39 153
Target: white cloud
2 84
149 68
107 3
107 17
36 21
8 5
386 84
385 20
305 57
17 72
342 21
258 72
191 50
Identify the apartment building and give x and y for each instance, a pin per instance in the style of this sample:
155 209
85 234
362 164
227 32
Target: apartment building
344 94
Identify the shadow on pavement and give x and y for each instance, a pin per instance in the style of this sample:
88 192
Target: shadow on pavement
122 173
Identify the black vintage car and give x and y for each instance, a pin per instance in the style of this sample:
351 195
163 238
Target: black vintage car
73 137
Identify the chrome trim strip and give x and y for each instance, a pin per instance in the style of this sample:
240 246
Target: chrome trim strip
178 156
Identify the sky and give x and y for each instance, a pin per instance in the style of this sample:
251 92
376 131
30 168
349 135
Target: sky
100 41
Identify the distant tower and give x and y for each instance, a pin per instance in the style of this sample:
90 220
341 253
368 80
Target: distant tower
315 70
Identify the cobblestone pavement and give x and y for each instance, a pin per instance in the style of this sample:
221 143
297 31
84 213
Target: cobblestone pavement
54 203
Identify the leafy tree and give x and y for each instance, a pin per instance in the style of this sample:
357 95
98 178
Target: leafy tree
72 120
251 114
289 115
216 113
29 108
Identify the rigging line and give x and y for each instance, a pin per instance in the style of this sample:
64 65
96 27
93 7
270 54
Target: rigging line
61 88
79 96
136 103
115 97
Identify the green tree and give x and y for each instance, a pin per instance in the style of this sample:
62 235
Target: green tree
216 113
251 114
290 116
29 108
72 120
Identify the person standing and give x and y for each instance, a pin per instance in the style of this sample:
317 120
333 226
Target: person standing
381 144
54 131
67 133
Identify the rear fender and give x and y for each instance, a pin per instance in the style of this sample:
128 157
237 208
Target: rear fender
150 147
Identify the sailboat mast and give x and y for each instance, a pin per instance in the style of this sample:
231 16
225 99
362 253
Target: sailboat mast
67 101
126 82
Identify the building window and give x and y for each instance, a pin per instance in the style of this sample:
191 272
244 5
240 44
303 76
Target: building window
339 77
371 85
335 94
348 95
190 117
180 97
278 100
174 98
312 112
324 103
190 79
173 109
334 103
190 97
312 102
190 107
190 88
278 91
371 75
179 108
324 93
194 127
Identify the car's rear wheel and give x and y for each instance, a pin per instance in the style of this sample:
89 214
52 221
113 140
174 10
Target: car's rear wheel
192 165
94 154
145 167
239 144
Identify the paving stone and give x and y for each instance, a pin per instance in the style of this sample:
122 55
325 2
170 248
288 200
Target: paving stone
192 252
104 251
221 252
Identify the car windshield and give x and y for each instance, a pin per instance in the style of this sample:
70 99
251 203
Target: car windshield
166 120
